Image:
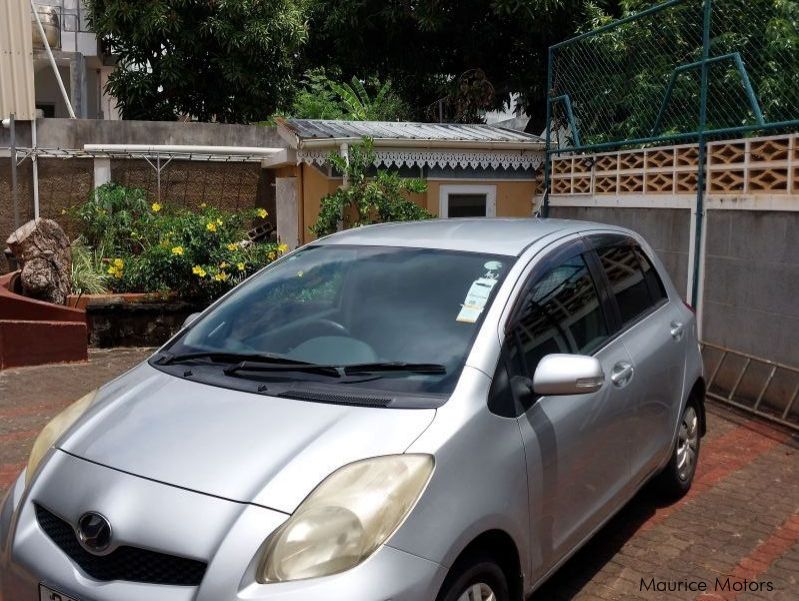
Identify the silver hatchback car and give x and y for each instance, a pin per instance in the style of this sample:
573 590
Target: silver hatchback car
443 410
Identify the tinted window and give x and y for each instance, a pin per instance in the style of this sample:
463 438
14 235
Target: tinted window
563 314
654 283
631 289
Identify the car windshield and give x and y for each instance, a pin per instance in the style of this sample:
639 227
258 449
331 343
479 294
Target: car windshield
405 316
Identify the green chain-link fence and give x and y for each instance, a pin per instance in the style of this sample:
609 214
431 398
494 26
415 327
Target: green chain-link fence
681 71
640 80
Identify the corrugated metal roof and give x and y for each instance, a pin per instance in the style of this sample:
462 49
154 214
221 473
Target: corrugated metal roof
319 129
16 61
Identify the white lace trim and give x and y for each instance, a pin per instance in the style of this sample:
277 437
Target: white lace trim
412 157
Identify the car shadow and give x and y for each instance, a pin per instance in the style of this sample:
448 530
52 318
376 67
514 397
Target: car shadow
578 571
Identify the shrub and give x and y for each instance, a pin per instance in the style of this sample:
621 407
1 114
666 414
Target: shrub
159 248
368 197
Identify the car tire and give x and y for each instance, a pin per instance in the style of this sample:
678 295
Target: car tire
478 578
676 478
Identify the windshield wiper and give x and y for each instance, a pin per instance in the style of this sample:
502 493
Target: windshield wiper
228 357
394 366
271 362
337 371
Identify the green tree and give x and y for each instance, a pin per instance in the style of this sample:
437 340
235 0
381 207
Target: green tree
451 51
322 97
617 80
223 60
369 196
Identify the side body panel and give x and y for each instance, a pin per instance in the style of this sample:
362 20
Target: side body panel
578 465
479 482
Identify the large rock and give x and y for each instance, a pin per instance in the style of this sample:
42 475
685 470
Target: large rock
42 249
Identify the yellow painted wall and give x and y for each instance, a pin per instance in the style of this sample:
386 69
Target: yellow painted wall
514 198
315 186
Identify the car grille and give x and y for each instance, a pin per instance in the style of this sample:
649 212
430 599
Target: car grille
124 563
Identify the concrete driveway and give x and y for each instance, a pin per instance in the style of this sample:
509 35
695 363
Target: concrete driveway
737 531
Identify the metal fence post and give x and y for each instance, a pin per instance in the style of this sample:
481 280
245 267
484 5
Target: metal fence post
702 159
548 134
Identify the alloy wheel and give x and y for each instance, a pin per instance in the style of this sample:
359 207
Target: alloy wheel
688 444
478 592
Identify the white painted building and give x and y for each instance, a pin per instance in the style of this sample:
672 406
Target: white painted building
83 65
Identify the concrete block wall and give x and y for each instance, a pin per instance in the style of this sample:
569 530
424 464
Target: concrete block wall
751 286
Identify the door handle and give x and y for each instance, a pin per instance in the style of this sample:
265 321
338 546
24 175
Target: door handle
622 374
676 330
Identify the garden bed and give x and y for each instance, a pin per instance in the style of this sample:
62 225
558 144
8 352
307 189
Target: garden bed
133 320
140 268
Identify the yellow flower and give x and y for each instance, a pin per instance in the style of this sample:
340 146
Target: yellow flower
210 226
203 205
119 263
155 207
221 276
282 248
116 269
219 222
240 266
262 213
197 270
232 246
177 250
271 256
223 264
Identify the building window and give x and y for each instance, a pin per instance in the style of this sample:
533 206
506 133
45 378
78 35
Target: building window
467 201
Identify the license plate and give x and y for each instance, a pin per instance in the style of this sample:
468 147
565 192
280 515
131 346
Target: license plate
48 594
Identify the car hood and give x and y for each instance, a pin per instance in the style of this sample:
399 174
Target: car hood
240 446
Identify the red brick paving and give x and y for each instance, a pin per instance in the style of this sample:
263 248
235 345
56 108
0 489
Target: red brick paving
722 456
740 520
750 568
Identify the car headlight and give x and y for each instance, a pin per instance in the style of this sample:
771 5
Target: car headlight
349 515
53 431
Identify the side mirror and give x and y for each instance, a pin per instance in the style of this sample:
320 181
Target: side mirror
558 374
191 319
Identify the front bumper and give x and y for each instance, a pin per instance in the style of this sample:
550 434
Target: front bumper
225 534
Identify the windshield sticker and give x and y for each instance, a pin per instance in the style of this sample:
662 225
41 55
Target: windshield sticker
476 299
492 267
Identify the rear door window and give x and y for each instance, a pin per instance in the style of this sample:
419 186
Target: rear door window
633 280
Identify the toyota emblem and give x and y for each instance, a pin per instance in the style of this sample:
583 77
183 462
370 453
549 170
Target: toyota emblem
94 532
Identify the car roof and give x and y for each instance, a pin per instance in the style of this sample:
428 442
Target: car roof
501 236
